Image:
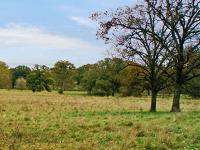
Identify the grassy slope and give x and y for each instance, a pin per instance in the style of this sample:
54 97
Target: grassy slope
51 121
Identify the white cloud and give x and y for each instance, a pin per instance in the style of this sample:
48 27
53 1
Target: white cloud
83 21
20 35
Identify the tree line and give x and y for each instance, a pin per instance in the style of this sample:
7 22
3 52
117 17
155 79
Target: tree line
107 77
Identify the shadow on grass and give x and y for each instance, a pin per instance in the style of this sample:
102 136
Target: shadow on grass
116 113
75 93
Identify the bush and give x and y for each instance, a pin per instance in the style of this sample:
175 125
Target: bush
193 88
102 88
60 91
20 84
134 88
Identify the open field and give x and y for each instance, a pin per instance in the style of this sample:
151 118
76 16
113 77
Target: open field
32 121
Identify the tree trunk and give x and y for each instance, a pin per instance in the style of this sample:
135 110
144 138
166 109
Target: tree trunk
153 101
176 99
148 92
63 86
113 94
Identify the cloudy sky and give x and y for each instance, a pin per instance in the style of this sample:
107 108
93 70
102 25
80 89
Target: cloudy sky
45 31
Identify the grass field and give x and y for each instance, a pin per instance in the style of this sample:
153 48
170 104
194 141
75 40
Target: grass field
48 121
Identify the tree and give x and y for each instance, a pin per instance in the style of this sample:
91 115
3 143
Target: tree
80 73
89 78
40 79
5 76
132 82
20 83
19 72
109 73
182 20
63 71
130 29
102 78
192 88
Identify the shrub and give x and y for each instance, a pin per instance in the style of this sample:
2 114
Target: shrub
193 88
20 84
60 91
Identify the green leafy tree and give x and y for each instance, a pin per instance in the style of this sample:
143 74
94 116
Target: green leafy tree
63 73
80 73
109 71
5 76
192 88
102 78
19 72
89 78
40 79
103 87
132 80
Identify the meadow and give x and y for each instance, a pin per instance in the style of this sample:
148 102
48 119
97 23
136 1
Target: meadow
74 121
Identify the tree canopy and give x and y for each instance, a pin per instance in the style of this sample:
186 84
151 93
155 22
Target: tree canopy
160 36
63 71
40 79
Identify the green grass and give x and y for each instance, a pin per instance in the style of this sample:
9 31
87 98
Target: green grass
48 121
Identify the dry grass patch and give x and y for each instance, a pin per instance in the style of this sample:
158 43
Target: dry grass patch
52 121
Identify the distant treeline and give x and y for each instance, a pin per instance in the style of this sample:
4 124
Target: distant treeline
105 78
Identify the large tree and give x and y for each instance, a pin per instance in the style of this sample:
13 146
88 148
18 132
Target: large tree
5 76
80 73
40 79
103 78
129 30
88 80
19 72
182 20
63 71
132 82
109 73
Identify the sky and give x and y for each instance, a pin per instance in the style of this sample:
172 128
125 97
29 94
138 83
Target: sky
45 31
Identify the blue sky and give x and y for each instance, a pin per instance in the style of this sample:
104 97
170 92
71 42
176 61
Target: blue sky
45 31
